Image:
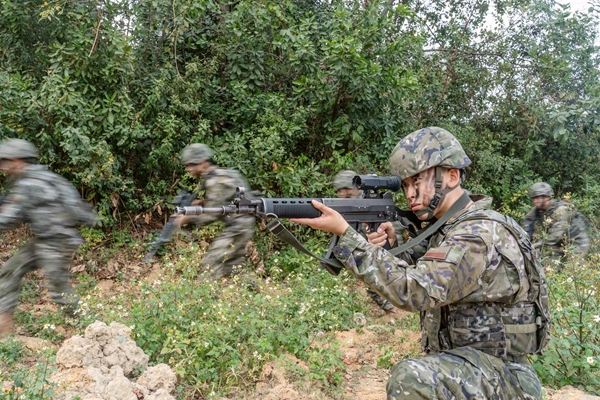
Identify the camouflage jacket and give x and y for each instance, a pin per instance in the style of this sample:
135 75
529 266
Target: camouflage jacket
220 185
470 283
37 201
560 224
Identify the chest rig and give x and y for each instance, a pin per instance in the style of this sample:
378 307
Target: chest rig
498 329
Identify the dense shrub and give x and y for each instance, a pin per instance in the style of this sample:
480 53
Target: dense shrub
292 91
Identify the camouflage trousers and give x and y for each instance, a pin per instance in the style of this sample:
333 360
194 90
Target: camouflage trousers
229 248
381 302
52 256
463 373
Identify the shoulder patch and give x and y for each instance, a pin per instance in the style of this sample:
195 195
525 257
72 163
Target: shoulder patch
438 253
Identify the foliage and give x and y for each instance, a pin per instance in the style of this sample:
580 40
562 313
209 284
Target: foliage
29 384
10 351
292 91
219 335
573 354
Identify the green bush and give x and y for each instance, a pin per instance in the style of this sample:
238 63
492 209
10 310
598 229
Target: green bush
573 355
219 335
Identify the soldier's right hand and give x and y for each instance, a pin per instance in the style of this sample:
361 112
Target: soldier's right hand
384 232
179 220
197 202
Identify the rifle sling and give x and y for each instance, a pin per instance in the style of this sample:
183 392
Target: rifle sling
461 203
277 228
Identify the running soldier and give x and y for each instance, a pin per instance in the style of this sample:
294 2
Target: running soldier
54 210
554 225
228 250
481 293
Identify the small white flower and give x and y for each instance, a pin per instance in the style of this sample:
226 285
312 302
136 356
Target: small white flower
576 304
558 307
570 279
596 318
590 360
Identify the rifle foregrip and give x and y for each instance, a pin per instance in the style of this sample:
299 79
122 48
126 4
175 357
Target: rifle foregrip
283 210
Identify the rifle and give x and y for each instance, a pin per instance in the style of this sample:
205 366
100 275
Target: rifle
530 228
376 206
183 199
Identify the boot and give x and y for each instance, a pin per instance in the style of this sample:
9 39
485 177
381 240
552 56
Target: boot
6 324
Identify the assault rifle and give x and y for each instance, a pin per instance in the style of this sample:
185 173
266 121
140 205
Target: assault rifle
376 206
183 199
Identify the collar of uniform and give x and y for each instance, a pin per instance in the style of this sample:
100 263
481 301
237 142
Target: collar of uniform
210 170
32 169
552 207
480 202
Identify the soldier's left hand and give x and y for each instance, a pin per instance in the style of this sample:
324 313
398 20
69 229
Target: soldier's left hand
330 220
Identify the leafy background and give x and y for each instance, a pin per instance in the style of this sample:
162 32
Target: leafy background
292 91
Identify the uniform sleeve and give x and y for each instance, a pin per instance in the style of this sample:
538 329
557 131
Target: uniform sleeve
219 190
561 220
444 275
14 209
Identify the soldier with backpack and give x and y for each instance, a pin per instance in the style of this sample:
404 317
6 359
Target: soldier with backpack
480 291
554 225
54 210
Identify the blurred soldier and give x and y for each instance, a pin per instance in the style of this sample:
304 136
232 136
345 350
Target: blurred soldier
481 293
555 225
342 184
220 185
54 209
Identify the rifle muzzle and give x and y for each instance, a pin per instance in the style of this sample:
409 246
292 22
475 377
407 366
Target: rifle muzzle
198 210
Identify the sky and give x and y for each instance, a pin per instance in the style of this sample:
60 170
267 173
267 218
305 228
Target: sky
576 4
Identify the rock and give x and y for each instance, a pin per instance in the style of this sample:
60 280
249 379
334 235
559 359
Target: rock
33 344
79 352
569 393
97 366
158 377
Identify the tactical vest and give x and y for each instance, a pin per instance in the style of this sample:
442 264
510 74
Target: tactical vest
500 329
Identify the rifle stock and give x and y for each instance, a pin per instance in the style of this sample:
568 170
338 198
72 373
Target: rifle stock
183 199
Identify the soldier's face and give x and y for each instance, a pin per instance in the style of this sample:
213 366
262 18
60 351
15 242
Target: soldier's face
347 193
541 202
10 167
197 170
419 189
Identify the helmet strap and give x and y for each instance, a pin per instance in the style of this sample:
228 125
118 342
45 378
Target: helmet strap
439 194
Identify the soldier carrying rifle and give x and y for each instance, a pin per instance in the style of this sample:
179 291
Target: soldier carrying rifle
228 250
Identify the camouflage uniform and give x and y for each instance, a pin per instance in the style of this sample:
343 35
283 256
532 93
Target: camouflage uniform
227 250
478 290
558 227
36 197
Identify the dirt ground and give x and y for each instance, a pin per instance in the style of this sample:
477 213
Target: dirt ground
363 378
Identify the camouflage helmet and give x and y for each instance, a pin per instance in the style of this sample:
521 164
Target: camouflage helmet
426 148
17 148
196 153
343 180
540 189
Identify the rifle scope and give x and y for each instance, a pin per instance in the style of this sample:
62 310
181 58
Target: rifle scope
368 182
